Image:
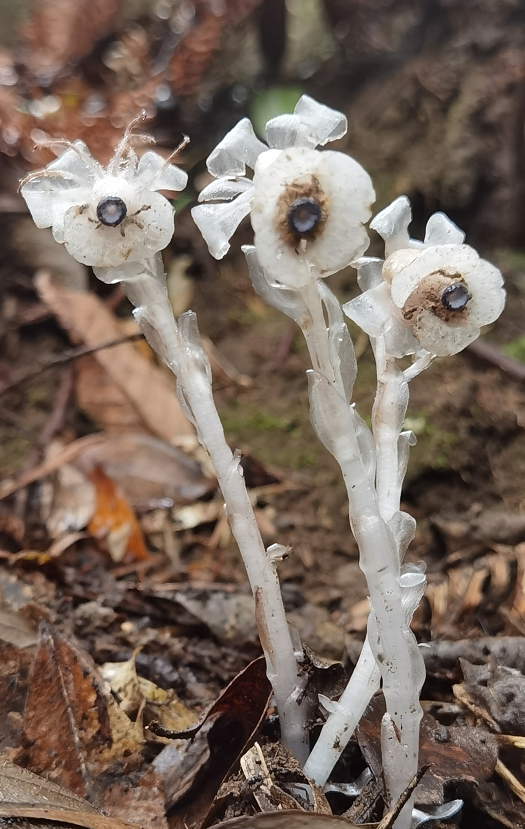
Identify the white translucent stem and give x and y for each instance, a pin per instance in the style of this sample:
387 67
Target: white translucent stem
391 640
387 417
400 756
344 717
147 291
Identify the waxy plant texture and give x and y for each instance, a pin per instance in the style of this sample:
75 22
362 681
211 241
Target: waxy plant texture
308 208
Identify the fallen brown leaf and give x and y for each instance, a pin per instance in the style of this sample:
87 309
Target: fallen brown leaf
114 521
453 753
291 819
15 664
65 717
149 471
192 774
88 320
33 799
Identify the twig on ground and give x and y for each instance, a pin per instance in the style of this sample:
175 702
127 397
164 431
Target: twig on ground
66 357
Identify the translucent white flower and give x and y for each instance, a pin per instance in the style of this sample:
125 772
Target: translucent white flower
307 207
105 215
433 295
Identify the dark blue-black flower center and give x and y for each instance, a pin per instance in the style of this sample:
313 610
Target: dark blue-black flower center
111 211
454 297
304 215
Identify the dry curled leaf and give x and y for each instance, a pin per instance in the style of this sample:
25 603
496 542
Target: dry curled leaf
147 388
114 521
65 717
193 773
291 819
453 753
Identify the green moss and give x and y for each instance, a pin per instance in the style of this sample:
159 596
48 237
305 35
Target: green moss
284 439
13 452
516 349
433 447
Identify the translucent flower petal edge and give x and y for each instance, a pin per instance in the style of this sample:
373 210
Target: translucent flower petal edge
218 222
325 123
240 147
440 230
392 224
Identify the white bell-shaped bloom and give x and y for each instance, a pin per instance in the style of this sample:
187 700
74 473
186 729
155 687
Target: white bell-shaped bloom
431 296
307 207
105 215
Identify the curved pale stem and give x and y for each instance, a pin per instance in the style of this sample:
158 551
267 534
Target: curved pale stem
390 639
147 291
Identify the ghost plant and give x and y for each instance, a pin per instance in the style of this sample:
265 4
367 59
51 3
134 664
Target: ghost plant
308 208
114 219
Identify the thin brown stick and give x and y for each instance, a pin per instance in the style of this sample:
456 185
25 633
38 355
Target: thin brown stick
67 356
393 813
492 355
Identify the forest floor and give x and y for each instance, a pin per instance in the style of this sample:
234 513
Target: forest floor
132 688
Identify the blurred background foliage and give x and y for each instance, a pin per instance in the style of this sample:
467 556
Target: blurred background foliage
434 89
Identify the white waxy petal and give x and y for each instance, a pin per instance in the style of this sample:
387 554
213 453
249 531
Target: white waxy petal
325 124
78 163
286 131
224 189
399 339
343 238
488 295
240 147
218 222
100 246
153 173
450 260
48 199
288 302
440 230
371 311
392 224
441 338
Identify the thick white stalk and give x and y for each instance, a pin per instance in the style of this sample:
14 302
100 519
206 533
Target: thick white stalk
400 755
344 717
147 292
387 418
391 640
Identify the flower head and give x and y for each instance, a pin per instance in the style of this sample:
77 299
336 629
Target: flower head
307 207
433 295
105 215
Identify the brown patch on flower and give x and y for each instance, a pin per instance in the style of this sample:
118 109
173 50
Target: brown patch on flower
427 296
308 189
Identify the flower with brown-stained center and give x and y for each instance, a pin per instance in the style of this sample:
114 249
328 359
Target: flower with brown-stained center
431 296
307 207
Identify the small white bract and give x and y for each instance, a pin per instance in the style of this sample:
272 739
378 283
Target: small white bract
433 295
105 216
308 208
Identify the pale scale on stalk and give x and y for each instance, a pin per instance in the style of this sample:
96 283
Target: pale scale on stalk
307 207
